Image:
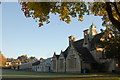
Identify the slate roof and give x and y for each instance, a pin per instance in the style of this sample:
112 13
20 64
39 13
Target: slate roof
83 51
78 44
48 59
36 63
29 62
95 40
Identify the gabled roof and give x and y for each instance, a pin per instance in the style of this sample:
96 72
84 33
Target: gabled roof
65 53
36 63
78 43
29 62
48 59
83 51
57 56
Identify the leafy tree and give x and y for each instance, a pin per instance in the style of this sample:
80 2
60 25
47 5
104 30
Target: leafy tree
111 45
2 59
30 59
41 59
22 58
15 62
25 58
40 11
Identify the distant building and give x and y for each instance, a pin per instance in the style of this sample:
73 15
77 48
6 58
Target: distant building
10 62
84 55
44 66
54 63
27 66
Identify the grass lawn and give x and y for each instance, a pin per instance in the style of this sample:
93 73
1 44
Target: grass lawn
57 76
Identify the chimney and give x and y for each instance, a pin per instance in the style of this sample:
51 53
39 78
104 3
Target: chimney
71 39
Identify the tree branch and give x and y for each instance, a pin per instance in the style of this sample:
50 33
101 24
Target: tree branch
117 11
110 15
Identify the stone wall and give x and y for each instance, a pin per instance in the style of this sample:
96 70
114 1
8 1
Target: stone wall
73 62
54 64
61 63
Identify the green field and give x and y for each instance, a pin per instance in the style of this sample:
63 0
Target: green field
57 76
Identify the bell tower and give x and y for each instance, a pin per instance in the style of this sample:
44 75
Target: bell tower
88 35
92 31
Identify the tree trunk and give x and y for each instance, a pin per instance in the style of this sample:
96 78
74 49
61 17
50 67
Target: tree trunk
110 15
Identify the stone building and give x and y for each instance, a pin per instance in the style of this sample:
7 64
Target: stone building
43 66
84 54
12 62
27 66
54 63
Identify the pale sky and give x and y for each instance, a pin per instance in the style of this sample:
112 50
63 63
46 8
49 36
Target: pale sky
21 35
0 26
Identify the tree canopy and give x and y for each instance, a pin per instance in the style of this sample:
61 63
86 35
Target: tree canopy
2 59
40 11
111 43
25 58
